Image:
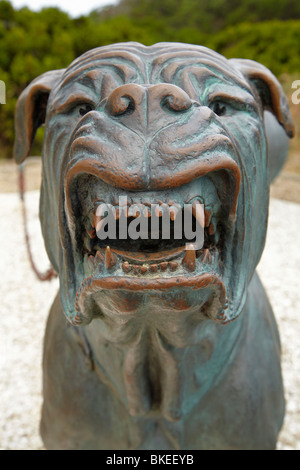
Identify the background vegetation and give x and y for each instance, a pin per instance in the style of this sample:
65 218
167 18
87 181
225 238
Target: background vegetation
33 42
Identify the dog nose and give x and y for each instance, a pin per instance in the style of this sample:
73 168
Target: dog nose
143 108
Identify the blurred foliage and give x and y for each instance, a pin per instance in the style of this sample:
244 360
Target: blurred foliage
33 42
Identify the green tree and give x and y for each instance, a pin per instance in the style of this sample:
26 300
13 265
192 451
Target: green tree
34 42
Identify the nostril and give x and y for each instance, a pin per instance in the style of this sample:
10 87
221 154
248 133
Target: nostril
120 106
176 103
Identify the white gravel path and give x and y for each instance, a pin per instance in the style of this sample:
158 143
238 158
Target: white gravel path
25 303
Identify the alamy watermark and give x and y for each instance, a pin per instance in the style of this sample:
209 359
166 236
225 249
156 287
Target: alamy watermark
2 92
155 221
296 94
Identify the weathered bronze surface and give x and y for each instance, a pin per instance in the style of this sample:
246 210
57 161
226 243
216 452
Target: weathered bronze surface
150 357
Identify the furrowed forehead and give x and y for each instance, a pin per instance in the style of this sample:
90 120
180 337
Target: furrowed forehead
181 64
199 64
99 71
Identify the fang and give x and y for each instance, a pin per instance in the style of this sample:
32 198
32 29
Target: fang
189 259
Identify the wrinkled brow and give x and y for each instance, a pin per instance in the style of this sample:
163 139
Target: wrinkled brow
91 85
127 70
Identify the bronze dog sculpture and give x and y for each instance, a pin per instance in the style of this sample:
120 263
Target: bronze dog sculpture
150 357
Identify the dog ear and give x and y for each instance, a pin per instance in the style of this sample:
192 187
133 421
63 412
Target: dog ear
270 91
31 112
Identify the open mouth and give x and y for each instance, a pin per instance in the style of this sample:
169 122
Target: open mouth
180 232
182 242
161 244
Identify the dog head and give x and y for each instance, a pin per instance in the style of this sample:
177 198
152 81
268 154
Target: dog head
170 125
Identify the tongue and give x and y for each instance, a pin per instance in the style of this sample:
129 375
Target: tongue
140 257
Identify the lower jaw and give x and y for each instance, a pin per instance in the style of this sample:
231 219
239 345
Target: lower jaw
123 297
107 290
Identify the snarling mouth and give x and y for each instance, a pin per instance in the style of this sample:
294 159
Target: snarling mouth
162 246
152 261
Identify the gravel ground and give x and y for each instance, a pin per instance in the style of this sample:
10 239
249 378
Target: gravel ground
25 304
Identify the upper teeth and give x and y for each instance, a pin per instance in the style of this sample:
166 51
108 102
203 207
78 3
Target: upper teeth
171 210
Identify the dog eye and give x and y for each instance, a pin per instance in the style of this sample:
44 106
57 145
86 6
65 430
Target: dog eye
84 109
218 108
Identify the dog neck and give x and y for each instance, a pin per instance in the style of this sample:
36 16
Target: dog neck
155 379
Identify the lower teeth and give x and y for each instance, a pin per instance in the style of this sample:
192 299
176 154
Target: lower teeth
188 263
